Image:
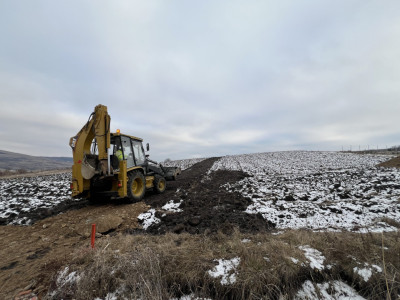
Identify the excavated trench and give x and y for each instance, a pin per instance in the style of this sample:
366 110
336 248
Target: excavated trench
206 205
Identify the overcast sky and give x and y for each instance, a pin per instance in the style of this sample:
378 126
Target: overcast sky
201 78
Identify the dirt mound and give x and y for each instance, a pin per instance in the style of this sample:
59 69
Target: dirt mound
206 206
391 163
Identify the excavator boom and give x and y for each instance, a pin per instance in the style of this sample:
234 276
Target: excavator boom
98 128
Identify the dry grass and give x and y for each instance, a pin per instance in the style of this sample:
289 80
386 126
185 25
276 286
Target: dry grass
392 222
162 267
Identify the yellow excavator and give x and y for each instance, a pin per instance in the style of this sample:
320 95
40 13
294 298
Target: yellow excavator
113 165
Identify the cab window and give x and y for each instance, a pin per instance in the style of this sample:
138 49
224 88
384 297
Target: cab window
116 148
139 152
127 149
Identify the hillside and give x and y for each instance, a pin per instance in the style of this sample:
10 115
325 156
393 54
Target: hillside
16 161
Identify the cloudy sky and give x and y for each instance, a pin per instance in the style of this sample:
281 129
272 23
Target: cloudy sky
201 78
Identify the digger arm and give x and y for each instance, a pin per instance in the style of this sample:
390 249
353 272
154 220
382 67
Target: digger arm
98 126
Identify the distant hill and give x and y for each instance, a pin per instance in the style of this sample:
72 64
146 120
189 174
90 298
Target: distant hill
17 161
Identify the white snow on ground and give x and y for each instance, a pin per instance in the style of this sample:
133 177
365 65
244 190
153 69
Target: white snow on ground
226 269
65 277
27 193
183 163
173 207
318 190
148 218
367 271
65 280
328 291
115 295
315 257
294 260
190 297
298 189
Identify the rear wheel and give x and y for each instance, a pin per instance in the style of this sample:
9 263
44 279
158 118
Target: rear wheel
97 189
159 184
136 186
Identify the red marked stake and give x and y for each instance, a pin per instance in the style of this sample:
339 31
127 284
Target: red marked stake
93 235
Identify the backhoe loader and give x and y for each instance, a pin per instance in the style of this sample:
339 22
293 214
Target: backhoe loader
113 165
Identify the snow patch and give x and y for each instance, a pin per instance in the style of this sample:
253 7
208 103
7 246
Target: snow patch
327 291
115 295
315 257
183 163
190 297
173 207
294 260
367 271
148 218
64 277
226 269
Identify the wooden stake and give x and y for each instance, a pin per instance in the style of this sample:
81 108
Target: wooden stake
93 235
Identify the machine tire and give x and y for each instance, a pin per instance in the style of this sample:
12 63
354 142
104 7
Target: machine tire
136 186
93 198
160 184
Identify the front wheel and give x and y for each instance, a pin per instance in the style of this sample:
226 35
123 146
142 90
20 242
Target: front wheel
159 184
136 186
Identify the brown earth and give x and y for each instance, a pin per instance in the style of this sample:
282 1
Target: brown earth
30 255
27 252
391 163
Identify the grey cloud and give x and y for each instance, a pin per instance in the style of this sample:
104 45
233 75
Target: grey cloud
201 79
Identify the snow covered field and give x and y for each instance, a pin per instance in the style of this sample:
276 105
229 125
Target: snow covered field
183 163
318 190
315 190
19 195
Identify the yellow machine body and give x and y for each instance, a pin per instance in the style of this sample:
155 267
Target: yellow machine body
96 168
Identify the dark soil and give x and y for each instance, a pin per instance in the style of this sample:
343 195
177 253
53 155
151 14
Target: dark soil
206 206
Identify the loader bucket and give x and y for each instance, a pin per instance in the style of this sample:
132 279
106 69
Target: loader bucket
171 172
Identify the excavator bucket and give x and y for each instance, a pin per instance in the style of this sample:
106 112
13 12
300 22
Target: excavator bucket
171 172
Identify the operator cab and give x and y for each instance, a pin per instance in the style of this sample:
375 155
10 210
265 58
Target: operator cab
129 148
